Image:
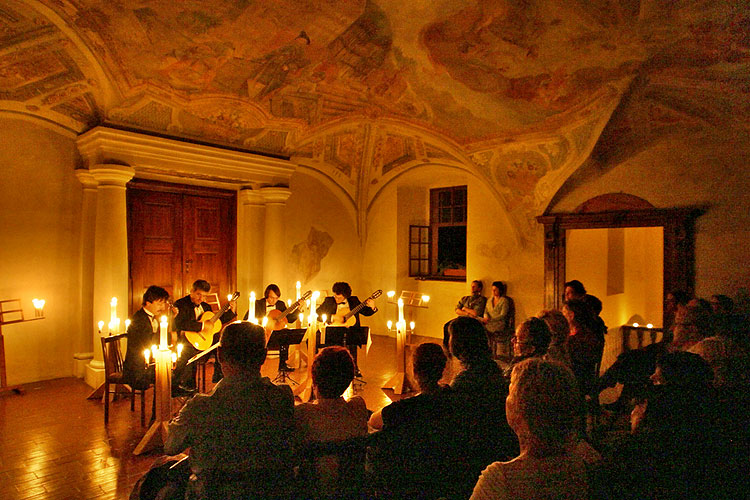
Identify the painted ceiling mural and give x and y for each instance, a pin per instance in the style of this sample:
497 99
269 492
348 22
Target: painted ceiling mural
516 91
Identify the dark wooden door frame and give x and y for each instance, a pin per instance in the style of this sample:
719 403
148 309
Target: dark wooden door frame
679 244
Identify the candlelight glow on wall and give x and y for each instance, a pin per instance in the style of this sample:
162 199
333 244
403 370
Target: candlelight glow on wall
38 307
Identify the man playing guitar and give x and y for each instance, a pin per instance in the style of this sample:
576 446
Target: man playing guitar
264 307
190 308
340 304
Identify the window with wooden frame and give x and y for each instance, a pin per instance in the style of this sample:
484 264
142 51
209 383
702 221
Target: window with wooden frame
438 251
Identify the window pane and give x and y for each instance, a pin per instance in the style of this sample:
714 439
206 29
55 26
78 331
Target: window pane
444 198
425 235
425 252
414 268
445 214
451 248
413 251
425 268
459 214
459 196
413 233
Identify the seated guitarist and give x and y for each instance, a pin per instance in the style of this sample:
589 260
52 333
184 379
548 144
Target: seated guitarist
265 305
341 303
189 309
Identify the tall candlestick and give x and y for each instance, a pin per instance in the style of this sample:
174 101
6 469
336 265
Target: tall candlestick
101 326
127 324
113 310
251 311
163 326
299 285
401 310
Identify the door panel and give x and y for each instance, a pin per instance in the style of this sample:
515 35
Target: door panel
176 236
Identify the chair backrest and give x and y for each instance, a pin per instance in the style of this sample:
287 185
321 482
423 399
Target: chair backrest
348 476
112 354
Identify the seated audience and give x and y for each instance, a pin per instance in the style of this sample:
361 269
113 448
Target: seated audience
560 330
678 449
481 433
330 418
673 302
499 314
531 340
541 408
414 451
585 343
428 364
240 436
471 306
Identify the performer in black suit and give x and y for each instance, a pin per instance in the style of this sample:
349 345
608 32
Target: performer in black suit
142 333
263 306
189 309
341 303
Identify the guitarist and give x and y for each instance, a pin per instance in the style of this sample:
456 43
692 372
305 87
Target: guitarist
266 304
189 309
341 303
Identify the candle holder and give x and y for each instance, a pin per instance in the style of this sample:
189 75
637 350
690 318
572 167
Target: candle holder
12 312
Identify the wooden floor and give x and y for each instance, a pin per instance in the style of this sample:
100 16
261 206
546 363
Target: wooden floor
54 444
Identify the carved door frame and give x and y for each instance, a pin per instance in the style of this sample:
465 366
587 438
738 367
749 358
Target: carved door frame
679 243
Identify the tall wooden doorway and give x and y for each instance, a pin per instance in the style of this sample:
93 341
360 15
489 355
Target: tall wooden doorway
178 234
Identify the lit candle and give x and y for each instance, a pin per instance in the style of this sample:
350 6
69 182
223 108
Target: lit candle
425 298
229 297
301 318
179 350
298 285
110 328
324 318
38 307
635 325
163 326
117 325
401 310
154 348
391 294
113 310
101 325
174 358
251 311
265 321
649 325
412 325
147 355
127 324
288 302
390 325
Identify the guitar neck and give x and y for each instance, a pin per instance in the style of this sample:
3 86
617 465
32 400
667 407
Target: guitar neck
289 310
355 310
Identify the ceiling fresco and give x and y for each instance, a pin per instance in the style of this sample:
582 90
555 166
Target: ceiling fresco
518 91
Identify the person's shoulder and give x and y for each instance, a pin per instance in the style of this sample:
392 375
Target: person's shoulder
182 302
357 403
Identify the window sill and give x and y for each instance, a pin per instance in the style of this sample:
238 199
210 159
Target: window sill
440 278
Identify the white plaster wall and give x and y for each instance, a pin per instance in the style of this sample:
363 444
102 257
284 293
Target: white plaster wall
708 170
40 203
492 252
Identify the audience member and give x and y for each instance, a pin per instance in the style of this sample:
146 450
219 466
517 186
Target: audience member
240 436
676 450
499 314
531 340
481 434
470 305
416 450
560 330
329 418
585 343
573 290
673 302
541 408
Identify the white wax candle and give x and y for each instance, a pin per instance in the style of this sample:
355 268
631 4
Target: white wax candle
127 324
251 311
101 325
390 325
163 326
147 355
412 325
299 285
113 309
401 310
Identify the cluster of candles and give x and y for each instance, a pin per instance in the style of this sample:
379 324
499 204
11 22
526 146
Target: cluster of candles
264 321
401 322
38 307
636 325
113 327
163 343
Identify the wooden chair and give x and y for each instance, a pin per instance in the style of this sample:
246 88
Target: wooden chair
113 360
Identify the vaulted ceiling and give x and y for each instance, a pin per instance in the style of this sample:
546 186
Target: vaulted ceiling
517 92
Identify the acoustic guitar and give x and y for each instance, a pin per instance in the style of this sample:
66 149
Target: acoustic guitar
277 319
349 319
203 339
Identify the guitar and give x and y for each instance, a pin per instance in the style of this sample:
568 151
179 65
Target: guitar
349 319
277 319
203 339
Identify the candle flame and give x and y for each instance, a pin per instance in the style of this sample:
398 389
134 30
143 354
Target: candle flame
412 325
390 324
636 325
390 294
425 298
649 325
113 302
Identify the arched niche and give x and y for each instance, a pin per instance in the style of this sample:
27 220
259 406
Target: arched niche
619 210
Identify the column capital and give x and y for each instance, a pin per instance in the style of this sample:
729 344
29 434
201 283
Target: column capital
275 195
112 175
86 178
250 196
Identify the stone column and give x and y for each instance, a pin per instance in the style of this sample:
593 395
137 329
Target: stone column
110 262
250 226
274 236
83 346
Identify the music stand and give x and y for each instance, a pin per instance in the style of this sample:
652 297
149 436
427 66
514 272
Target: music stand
347 336
285 337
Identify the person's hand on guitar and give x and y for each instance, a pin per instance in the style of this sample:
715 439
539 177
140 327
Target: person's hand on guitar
233 305
371 304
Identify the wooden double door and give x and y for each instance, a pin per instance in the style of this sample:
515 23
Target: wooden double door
178 234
